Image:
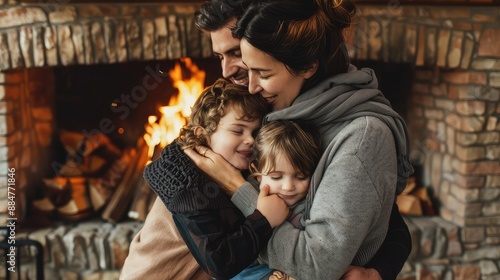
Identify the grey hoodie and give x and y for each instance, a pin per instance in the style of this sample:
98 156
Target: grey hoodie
363 166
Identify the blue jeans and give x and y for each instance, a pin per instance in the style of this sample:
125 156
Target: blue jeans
254 271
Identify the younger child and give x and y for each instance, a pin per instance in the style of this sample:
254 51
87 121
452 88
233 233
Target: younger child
286 155
222 240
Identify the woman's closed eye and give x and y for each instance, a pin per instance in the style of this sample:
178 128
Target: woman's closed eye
264 77
263 74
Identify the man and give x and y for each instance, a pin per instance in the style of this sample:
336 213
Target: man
159 252
218 17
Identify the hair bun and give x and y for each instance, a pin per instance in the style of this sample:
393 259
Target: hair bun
340 12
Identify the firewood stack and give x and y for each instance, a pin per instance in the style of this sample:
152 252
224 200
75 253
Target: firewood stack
415 200
97 180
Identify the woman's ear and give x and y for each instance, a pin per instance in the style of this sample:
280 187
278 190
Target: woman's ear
311 71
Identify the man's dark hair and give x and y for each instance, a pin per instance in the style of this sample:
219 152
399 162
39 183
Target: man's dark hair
214 14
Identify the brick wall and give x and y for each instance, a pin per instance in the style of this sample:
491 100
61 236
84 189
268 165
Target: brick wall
26 131
37 35
454 120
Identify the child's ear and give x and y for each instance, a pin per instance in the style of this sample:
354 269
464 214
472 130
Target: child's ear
198 131
253 167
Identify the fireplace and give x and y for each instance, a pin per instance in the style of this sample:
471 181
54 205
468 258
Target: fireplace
449 95
63 67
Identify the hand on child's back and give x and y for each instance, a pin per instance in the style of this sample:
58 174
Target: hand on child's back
272 207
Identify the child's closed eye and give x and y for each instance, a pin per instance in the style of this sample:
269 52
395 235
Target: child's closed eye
301 177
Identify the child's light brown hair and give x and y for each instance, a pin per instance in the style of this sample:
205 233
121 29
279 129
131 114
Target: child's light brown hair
212 105
298 142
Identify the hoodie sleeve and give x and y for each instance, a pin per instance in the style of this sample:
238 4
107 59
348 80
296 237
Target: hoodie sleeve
245 198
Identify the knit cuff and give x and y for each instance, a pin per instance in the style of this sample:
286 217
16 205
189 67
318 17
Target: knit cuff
245 199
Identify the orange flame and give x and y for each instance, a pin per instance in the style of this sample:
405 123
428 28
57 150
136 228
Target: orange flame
164 130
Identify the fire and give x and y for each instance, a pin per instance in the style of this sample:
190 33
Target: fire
160 132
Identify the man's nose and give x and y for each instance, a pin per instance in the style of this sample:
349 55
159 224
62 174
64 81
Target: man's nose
228 68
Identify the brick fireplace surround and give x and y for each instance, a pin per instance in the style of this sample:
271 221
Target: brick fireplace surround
454 117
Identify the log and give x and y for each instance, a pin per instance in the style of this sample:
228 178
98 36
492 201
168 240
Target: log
82 145
121 199
427 206
103 188
409 205
415 200
144 196
142 200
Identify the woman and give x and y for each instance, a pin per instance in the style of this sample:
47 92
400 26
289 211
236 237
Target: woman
297 61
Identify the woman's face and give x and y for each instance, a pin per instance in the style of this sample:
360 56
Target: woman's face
234 137
270 78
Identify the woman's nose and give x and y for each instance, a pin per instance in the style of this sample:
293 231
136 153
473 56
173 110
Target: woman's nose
253 85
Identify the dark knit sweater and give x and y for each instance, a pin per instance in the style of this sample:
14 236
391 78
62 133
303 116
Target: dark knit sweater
222 240
181 185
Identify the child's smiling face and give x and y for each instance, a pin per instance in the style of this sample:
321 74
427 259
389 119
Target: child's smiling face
234 138
286 181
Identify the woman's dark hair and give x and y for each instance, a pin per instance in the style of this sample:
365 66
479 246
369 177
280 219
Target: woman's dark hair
300 33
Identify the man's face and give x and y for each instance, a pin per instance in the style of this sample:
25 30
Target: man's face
227 49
